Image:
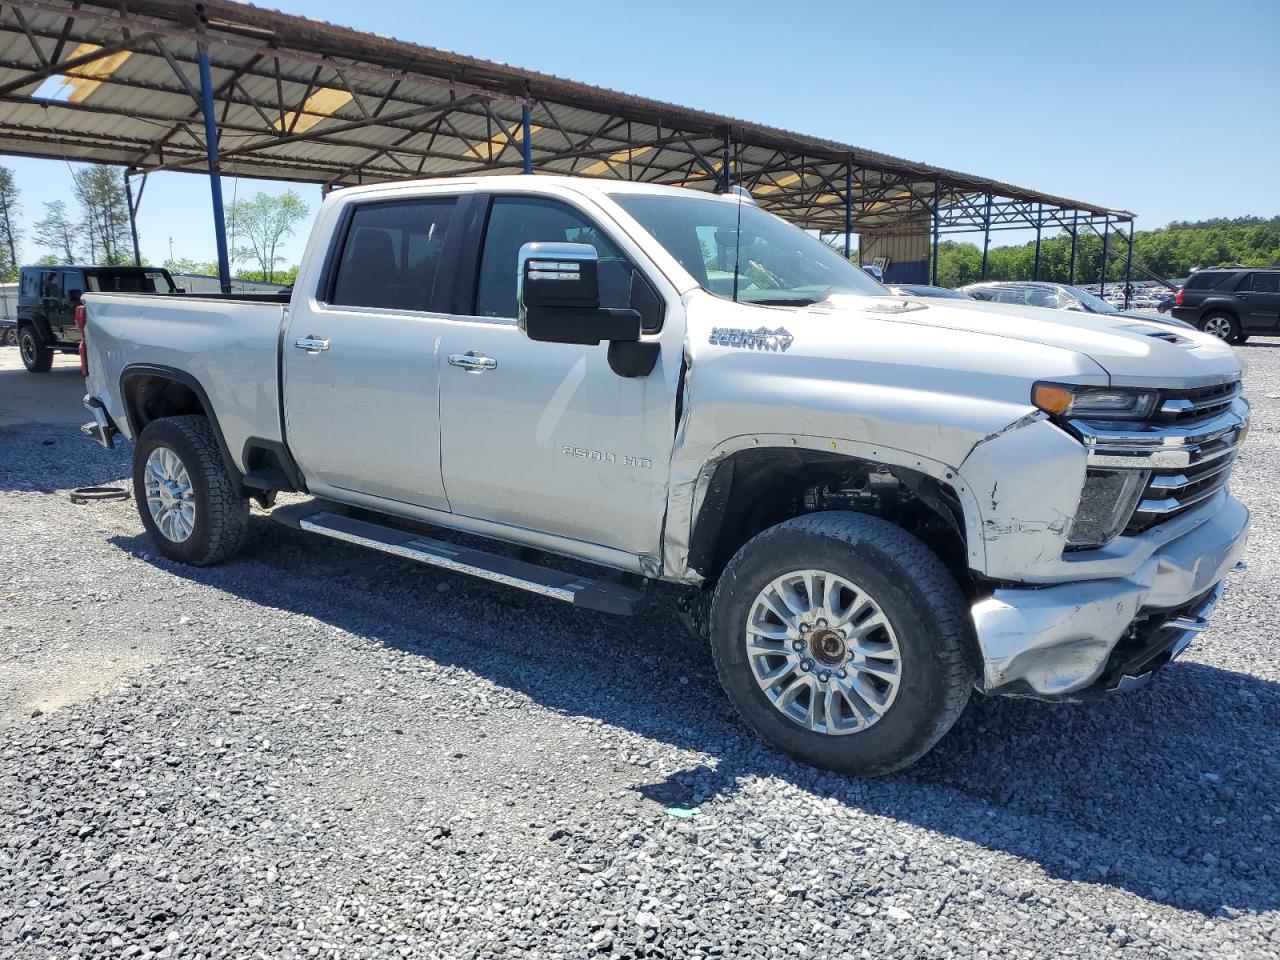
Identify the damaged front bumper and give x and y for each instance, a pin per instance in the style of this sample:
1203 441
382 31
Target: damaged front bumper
1076 639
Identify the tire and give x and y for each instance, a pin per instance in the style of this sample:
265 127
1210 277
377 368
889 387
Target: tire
1243 338
216 524
36 357
11 336
1221 325
926 620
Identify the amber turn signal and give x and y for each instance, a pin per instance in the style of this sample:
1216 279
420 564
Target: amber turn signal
1052 399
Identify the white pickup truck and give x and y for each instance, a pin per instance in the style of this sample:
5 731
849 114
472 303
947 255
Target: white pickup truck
874 504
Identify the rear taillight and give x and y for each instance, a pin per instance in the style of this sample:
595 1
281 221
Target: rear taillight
81 316
1177 298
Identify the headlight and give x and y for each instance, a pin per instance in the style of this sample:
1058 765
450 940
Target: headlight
1093 403
1106 504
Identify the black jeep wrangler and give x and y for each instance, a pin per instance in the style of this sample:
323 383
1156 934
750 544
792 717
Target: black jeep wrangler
48 297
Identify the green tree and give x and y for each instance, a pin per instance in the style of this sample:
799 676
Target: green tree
10 234
262 222
200 268
99 190
57 232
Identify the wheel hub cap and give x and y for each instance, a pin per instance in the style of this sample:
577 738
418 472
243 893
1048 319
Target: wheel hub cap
823 652
170 497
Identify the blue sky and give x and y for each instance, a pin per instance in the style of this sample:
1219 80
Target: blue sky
1168 108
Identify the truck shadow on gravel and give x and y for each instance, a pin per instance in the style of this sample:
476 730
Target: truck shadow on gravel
1169 793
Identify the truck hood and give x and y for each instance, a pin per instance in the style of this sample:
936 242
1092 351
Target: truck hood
1133 352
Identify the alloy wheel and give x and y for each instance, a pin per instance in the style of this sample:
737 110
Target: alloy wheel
171 500
823 652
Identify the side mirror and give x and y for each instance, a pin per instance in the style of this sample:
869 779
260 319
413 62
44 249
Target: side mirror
558 297
73 296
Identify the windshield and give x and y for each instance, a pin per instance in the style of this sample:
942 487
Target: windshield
774 262
1091 303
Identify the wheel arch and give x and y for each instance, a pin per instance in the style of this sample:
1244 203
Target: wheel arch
751 489
152 391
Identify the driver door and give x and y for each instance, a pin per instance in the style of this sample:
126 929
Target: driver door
545 436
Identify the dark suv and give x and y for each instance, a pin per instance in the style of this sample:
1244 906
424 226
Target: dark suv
1232 303
48 297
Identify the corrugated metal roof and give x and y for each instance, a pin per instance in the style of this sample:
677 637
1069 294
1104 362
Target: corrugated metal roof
300 99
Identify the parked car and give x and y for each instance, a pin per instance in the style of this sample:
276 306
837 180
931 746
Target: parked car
1057 296
49 295
1231 303
925 290
871 504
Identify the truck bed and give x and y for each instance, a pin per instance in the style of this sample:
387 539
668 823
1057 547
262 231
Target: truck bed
228 345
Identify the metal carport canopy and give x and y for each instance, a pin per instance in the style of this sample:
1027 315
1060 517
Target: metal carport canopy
120 81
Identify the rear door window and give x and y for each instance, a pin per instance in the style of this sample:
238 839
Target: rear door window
1265 283
1208 280
392 256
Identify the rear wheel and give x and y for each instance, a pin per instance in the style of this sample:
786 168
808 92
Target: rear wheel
1221 325
843 640
11 336
36 357
184 492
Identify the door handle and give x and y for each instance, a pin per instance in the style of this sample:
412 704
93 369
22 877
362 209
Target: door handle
472 362
311 344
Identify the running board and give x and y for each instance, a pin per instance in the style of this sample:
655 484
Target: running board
583 592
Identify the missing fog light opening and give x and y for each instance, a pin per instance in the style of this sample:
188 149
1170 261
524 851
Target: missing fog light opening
1106 503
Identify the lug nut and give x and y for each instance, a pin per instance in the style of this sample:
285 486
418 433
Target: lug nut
822 622
798 645
843 675
806 665
824 676
805 628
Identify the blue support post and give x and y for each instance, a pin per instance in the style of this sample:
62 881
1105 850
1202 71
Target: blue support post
1106 235
986 236
937 224
1039 223
526 139
1128 268
848 211
1075 221
725 180
215 172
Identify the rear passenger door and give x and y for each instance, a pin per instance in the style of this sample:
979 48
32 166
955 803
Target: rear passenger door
1259 297
360 371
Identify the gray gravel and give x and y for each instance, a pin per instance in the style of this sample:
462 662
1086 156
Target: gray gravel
316 752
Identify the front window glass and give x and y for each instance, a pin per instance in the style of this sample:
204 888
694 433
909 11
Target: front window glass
768 261
1091 303
515 221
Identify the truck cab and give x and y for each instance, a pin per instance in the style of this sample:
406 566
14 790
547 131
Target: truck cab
49 294
871 505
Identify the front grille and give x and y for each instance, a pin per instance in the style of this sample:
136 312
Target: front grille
1189 407
1171 492
1188 445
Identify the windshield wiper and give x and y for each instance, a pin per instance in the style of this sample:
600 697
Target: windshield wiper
786 301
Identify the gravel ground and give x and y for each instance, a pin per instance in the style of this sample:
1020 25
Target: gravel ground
313 751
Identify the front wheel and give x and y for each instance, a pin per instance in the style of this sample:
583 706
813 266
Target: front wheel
185 494
844 641
36 357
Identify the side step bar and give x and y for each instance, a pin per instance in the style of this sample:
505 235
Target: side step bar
583 592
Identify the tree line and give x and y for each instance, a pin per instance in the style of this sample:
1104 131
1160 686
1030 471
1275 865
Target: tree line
1172 251
92 226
